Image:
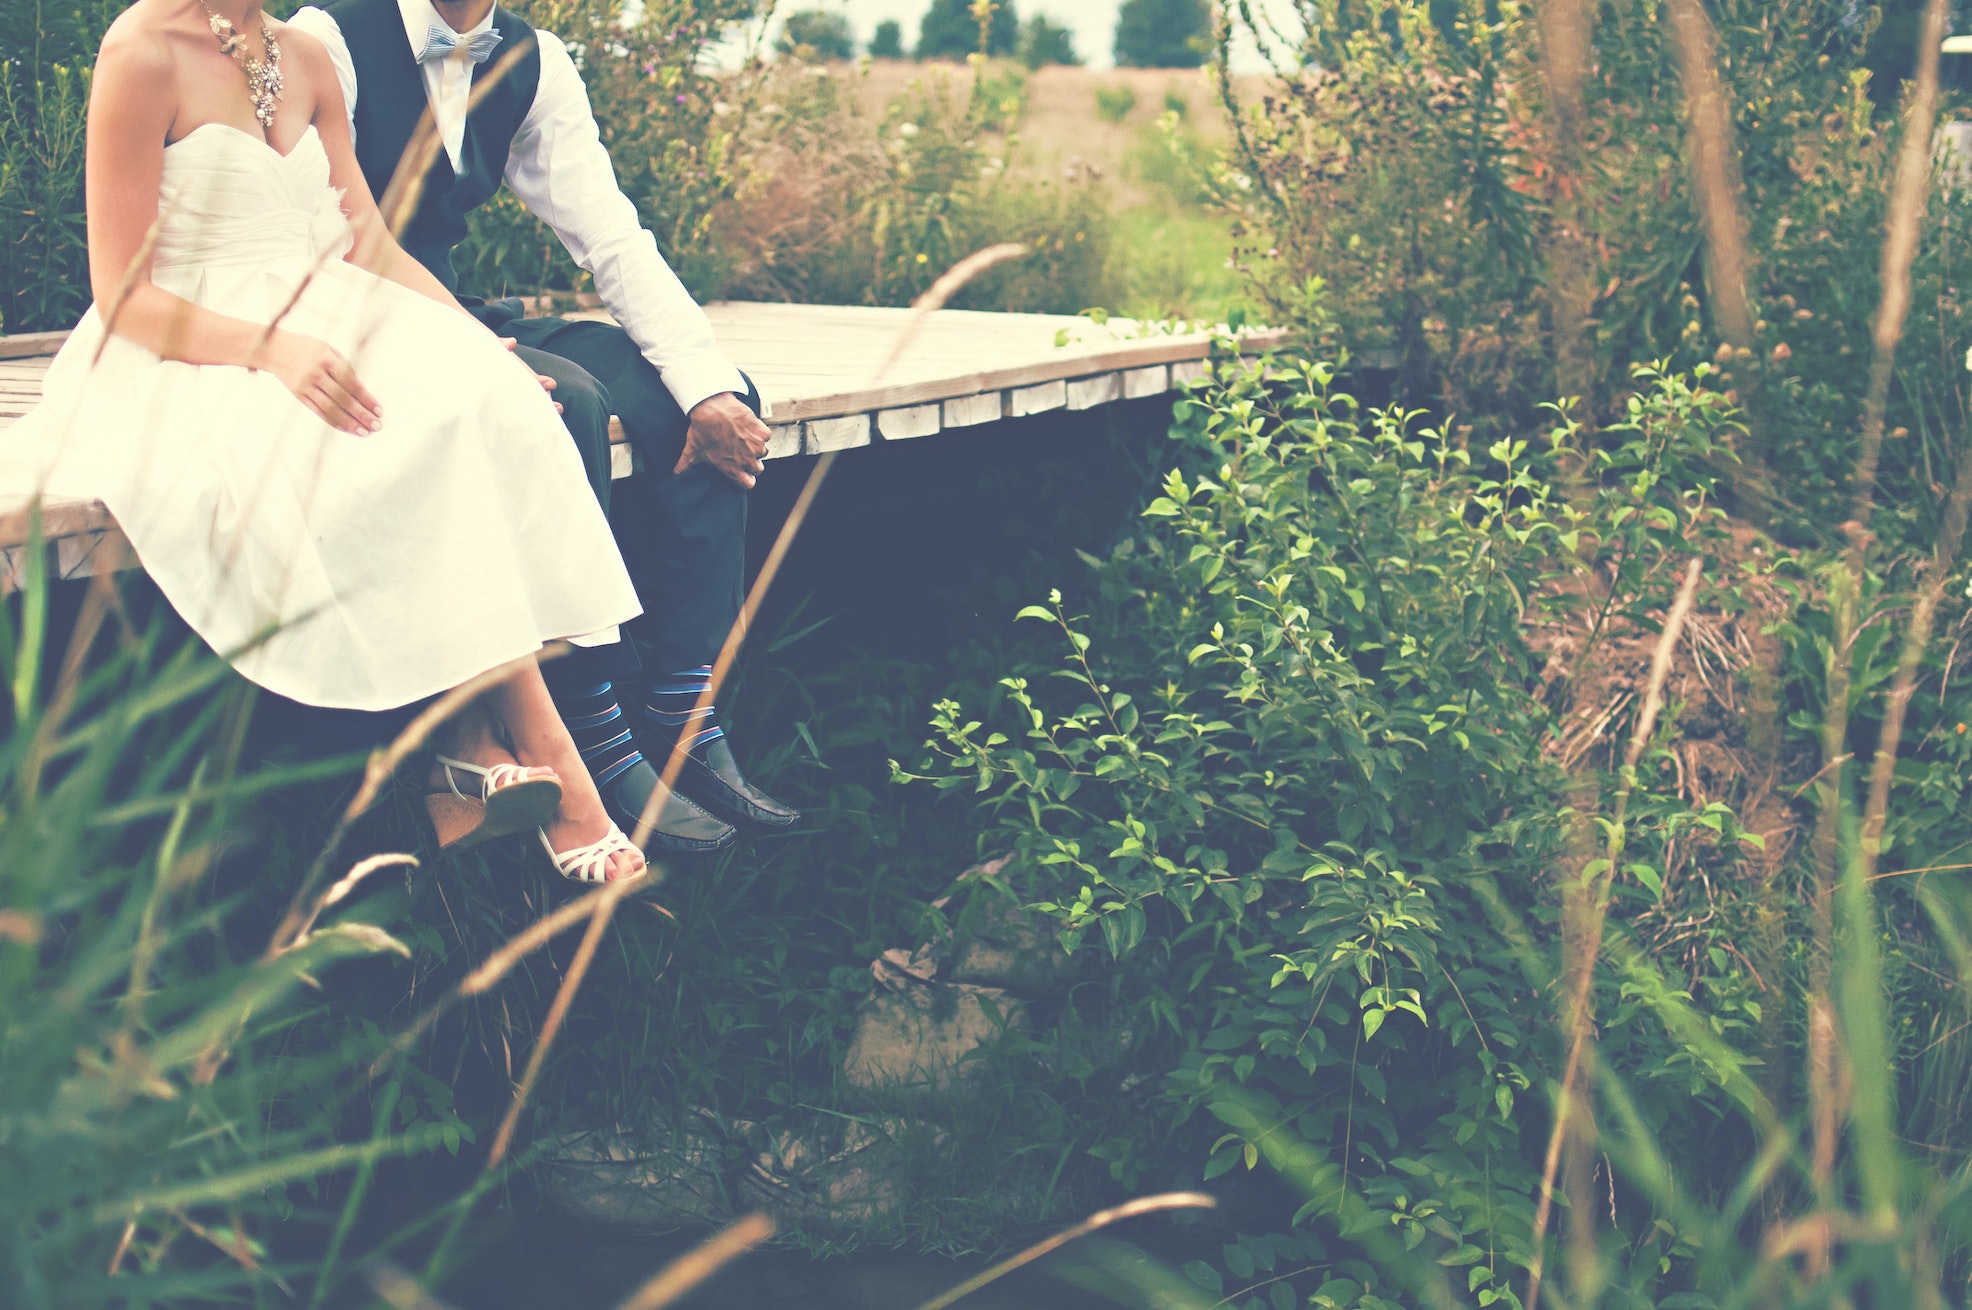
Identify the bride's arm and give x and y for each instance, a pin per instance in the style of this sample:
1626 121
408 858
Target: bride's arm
132 105
375 249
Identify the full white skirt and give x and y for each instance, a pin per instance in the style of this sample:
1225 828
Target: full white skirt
356 572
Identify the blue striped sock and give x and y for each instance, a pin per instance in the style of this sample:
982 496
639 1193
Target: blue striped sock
671 706
601 732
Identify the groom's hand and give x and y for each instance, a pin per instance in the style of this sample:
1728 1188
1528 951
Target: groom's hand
727 435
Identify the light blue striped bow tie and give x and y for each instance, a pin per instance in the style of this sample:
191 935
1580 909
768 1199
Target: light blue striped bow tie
442 41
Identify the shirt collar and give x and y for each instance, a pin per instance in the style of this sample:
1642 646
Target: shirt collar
419 17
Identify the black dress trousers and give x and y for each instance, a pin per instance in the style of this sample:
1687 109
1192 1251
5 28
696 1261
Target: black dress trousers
683 535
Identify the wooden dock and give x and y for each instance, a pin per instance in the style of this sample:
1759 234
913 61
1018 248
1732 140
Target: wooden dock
834 378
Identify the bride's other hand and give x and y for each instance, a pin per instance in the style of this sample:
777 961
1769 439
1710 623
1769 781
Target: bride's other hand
321 379
547 383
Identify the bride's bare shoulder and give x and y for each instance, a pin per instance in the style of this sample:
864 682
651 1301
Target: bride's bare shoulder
144 39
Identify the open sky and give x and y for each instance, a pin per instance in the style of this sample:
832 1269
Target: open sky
1093 21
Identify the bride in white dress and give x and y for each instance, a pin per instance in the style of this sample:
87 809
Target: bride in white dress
339 479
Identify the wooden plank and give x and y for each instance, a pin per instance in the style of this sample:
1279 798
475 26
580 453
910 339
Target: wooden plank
31 343
783 440
913 421
1141 382
828 434
958 368
970 411
1022 401
1087 393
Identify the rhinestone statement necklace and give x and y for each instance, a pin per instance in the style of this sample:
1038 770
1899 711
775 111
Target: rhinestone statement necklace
263 76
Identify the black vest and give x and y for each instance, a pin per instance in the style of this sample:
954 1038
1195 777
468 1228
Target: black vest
390 100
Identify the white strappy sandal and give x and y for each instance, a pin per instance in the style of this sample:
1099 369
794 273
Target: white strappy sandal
506 800
591 863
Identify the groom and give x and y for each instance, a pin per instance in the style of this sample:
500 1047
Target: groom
692 417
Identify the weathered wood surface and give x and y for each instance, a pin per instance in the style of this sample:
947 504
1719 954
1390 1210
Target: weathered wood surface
834 378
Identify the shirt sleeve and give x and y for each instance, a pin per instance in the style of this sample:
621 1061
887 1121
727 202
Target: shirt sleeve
318 24
561 172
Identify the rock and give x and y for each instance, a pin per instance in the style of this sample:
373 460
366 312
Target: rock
916 1036
841 1177
649 1178
1006 946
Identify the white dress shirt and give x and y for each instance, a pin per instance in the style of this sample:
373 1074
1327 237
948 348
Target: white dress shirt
561 172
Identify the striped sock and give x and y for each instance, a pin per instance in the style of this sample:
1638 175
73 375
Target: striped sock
601 732
671 706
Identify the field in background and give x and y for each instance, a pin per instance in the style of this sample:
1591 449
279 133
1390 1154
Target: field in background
1172 252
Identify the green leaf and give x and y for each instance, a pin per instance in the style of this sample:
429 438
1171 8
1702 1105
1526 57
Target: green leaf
1035 612
1463 1255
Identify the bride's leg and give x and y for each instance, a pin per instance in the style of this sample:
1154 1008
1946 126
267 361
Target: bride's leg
539 739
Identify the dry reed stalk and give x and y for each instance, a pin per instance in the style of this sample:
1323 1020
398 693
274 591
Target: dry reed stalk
1567 33
1917 635
400 1291
1100 1219
1585 914
700 1263
1714 163
1908 195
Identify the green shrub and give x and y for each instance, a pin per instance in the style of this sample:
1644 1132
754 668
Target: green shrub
843 210
951 29
1294 773
1410 166
823 35
670 124
1163 33
1115 103
44 254
887 42
1044 41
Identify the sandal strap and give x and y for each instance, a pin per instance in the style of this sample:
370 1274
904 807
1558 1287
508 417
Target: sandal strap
589 863
491 778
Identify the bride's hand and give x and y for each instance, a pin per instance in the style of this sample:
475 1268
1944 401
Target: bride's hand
321 379
547 383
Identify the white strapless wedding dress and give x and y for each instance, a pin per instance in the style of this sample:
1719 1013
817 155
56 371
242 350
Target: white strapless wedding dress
388 567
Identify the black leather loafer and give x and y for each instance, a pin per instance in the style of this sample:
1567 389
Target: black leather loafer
681 826
716 783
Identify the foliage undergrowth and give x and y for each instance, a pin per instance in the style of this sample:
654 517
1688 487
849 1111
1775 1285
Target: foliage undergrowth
183 1110
1409 166
1294 776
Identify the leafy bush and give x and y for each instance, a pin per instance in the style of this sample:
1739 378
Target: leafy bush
952 29
1411 167
671 126
44 98
827 35
1163 33
887 41
1115 103
844 210
1044 41
44 253
1296 771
